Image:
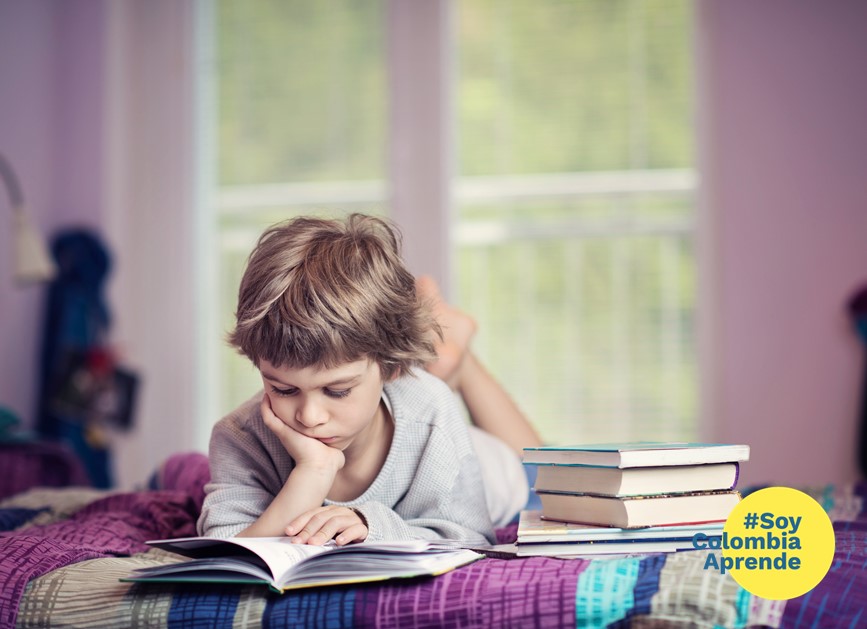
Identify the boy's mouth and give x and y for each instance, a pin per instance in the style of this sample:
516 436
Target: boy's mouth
326 439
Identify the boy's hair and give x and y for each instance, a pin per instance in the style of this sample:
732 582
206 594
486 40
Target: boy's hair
327 292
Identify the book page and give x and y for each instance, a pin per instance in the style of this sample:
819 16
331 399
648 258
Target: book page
282 556
279 553
374 565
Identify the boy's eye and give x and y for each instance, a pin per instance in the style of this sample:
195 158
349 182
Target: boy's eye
284 392
337 394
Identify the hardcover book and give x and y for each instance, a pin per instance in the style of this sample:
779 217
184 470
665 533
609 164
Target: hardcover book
636 481
533 529
639 511
283 566
588 549
638 454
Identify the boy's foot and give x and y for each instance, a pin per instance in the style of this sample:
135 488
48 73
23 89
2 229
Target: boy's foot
458 330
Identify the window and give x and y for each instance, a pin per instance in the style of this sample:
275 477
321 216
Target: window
298 103
575 211
573 191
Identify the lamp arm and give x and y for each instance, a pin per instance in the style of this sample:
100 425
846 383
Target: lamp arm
16 198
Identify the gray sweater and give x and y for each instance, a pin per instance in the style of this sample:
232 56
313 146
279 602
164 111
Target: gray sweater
429 487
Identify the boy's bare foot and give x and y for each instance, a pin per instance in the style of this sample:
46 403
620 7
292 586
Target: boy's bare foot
458 330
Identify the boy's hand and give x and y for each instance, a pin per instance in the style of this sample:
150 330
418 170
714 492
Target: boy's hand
321 524
304 450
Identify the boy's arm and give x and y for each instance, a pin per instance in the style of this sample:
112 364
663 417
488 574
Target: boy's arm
305 489
255 489
316 466
244 480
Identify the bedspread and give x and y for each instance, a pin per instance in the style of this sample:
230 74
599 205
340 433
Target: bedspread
64 551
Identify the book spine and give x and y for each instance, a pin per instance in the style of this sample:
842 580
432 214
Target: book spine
677 494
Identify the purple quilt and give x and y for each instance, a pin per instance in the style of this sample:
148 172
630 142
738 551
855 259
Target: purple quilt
26 464
63 554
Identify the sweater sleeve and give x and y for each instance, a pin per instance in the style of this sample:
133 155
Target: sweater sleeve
243 482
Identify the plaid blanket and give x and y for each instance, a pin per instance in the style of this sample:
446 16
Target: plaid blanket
65 550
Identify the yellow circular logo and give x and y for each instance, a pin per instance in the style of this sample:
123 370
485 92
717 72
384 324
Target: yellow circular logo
778 543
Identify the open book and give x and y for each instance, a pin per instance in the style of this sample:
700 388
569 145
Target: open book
284 566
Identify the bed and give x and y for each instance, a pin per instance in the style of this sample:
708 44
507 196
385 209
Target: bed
64 549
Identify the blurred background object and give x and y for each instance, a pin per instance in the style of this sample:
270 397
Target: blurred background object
857 308
32 262
84 392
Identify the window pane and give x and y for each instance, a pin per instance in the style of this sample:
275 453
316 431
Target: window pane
566 86
299 109
301 90
575 211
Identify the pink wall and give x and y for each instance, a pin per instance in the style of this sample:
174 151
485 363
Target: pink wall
786 185
26 139
78 84
51 131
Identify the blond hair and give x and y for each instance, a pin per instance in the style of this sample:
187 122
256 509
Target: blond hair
327 292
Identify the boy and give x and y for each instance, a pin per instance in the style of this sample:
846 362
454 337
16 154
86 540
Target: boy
348 441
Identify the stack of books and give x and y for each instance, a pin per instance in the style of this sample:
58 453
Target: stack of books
629 497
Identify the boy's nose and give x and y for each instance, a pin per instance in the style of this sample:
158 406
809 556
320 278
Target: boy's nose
310 415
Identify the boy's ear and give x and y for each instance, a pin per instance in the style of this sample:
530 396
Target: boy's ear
398 372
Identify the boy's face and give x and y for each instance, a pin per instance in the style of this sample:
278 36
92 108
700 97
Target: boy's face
333 406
